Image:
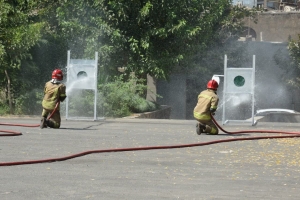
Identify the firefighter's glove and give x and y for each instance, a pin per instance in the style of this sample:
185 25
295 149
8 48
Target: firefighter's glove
212 111
62 98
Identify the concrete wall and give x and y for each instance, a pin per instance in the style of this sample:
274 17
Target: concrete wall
276 26
163 113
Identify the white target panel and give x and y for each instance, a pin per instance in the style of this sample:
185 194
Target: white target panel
239 80
82 74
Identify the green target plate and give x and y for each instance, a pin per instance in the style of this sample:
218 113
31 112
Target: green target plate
239 81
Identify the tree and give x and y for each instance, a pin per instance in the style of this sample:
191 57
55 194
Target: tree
143 36
293 67
209 61
153 37
146 37
17 35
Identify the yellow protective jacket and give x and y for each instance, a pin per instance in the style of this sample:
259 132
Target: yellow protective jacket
207 99
53 92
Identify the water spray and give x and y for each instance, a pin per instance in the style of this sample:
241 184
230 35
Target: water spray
83 82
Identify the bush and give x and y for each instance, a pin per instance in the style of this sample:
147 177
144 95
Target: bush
140 105
118 98
29 103
4 109
122 98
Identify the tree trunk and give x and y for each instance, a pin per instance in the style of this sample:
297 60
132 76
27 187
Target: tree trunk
265 4
8 93
144 77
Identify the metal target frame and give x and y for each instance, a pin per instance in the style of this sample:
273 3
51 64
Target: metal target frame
230 88
74 68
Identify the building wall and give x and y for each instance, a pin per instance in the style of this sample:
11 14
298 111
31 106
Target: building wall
276 26
248 3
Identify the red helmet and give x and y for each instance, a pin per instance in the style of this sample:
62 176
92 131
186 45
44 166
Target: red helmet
57 74
212 84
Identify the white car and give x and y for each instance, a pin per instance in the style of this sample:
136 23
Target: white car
263 112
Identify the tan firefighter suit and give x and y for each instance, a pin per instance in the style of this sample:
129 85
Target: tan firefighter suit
53 92
207 101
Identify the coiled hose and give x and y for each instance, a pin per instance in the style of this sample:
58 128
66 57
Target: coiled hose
287 135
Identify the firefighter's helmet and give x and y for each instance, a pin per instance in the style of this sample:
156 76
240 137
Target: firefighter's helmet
212 84
57 74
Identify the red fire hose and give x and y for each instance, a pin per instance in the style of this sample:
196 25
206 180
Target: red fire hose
289 135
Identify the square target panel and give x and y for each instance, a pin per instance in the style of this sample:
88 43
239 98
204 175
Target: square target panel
81 74
239 80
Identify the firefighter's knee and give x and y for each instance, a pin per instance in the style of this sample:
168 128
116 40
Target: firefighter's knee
56 125
214 131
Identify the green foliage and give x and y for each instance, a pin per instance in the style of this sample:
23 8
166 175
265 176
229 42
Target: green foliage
18 33
140 105
145 37
152 37
293 67
4 109
29 103
209 60
289 62
121 98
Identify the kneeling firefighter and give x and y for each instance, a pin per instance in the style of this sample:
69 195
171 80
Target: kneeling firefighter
54 93
207 104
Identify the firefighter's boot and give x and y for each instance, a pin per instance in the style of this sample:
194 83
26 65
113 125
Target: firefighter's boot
200 128
50 123
43 123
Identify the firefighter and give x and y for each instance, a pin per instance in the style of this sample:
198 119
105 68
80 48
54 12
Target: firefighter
54 92
207 105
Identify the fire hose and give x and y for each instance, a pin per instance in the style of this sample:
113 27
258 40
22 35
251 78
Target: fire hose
14 133
286 135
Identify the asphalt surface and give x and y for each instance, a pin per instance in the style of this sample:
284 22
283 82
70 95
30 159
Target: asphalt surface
256 169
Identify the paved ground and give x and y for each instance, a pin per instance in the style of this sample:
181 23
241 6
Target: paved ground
260 169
